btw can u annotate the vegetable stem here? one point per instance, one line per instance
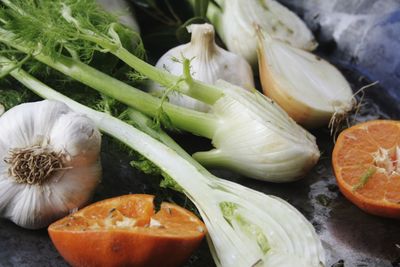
(196, 89)
(143, 123)
(244, 240)
(199, 123)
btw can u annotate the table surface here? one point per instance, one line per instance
(346, 232)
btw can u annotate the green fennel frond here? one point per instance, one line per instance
(66, 27)
(10, 98)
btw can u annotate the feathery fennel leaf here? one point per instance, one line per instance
(65, 27)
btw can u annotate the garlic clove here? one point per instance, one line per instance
(235, 22)
(308, 88)
(24, 128)
(64, 147)
(209, 63)
(87, 141)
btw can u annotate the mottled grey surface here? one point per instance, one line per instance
(365, 33)
(347, 233)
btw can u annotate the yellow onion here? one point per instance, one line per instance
(307, 87)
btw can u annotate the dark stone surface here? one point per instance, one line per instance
(349, 236)
(347, 233)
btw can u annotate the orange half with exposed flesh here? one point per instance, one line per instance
(366, 162)
(126, 231)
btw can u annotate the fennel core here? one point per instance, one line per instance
(33, 165)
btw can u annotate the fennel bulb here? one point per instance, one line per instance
(49, 162)
(242, 138)
(208, 63)
(255, 137)
(234, 21)
(245, 227)
(307, 87)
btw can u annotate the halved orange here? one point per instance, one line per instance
(366, 163)
(126, 231)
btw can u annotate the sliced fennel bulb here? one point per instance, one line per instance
(246, 227)
(275, 149)
(309, 88)
(235, 20)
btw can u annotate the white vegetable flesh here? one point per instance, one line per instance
(235, 23)
(51, 127)
(246, 227)
(208, 64)
(210, 125)
(275, 149)
(310, 89)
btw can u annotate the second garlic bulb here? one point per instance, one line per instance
(209, 63)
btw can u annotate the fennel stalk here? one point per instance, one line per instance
(251, 134)
(245, 227)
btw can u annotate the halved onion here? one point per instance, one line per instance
(307, 87)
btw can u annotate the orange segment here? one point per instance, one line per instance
(365, 164)
(375, 188)
(125, 231)
(359, 139)
(351, 175)
(393, 189)
(354, 157)
(385, 133)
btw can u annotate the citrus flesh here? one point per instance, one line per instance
(126, 231)
(366, 163)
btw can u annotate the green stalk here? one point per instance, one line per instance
(193, 88)
(213, 11)
(194, 181)
(143, 123)
(199, 123)
(201, 91)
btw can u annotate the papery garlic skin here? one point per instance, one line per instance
(308, 88)
(52, 126)
(236, 20)
(209, 63)
(2, 109)
(276, 149)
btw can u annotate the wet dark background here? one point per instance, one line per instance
(361, 37)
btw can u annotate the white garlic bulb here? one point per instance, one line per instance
(49, 162)
(209, 63)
